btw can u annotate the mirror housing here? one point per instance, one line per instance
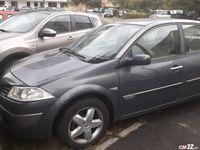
(141, 59)
(47, 32)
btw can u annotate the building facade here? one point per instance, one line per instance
(35, 3)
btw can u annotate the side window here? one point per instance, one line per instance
(1, 18)
(61, 24)
(159, 42)
(81, 22)
(94, 21)
(10, 16)
(192, 37)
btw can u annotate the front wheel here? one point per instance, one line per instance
(84, 123)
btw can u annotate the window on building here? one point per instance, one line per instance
(52, 4)
(35, 4)
(28, 4)
(63, 5)
(14, 3)
(2, 3)
(42, 4)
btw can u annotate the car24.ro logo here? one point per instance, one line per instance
(188, 146)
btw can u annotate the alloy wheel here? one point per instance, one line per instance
(85, 125)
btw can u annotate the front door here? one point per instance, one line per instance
(144, 87)
(62, 25)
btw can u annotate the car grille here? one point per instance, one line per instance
(4, 89)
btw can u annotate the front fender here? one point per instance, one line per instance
(83, 90)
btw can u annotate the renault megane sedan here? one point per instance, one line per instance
(114, 72)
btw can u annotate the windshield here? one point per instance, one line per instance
(108, 11)
(22, 23)
(104, 42)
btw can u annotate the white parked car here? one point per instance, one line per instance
(160, 14)
(3, 7)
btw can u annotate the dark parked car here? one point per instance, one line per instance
(114, 72)
(107, 13)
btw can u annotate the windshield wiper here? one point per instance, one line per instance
(3, 30)
(69, 51)
(98, 59)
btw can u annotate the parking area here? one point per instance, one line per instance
(169, 129)
(166, 129)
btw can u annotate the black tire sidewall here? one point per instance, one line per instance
(69, 112)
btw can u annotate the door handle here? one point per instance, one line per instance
(70, 38)
(176, 67)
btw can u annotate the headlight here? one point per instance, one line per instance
(28, 94)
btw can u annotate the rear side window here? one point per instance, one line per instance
(94, 21)
(61, 24)
(192, 37)
(81, 22)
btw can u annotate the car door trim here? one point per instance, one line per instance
(194, 79)
(132, 96)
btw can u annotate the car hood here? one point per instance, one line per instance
(46, 67)
(7, 35)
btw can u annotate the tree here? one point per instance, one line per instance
(89, 3)
(93, 3)
(186, 5)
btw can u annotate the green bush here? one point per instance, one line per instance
(135, 15)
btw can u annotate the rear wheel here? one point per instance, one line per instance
(84, 123)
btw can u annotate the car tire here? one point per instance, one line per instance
(83, 123)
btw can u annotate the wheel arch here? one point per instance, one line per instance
(16, 54)
(10, 58)
(75, 94)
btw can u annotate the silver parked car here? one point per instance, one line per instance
(36, 31)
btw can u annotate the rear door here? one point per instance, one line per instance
(144, 87)
(191, 33)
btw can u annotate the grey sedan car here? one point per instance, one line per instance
(116, 71)
(28, 33)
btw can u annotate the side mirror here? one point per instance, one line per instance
(46, 32)
(141, 59)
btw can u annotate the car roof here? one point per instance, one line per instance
(148, 21)
(54, 12)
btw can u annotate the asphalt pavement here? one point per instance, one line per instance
(169, 129)
(173, 128)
